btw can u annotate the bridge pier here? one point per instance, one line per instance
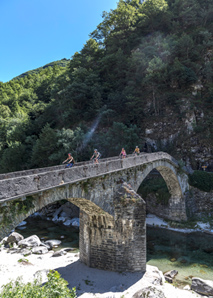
(115, 243)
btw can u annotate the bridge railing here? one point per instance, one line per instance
(55, 168)
(29, 183)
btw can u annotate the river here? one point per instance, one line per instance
(189, 254)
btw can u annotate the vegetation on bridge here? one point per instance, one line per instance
(14, 208)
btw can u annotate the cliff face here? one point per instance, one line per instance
(177, 132)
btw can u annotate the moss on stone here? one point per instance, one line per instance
(15, 207)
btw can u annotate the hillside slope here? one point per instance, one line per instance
(143, 78)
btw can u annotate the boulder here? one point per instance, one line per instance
(74, 222)
(4, 241)
(48, 246)
(62, 218)
(41, 275)
(52, 243)
(39, 250)
(169, 276)
(36, 214)
(31, 241)
(59, 253)
(154, 276)
(56, 214)
(68, 222)
(25, 252)
(149, 292)
(14, 237)
(201, 286)
(64, 214)
(13, 250)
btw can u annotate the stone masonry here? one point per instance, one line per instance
(115, 243)
(34, 189)
(112, 219)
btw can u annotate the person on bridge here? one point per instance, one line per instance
(96, 156)
(70, 161)
(136, 151)
(123, 153)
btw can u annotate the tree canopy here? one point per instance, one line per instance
(142, 60)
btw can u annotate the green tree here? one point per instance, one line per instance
(44, 147)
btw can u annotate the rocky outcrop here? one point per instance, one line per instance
(199, 203)
(204, 287)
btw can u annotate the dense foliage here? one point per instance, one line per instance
(139, 64)
(56, 287)
(201, 180)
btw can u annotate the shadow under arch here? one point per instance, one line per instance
(17, 211)
(176, 209)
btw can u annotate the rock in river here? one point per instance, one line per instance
(201, 286)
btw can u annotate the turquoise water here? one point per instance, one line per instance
(190, 254)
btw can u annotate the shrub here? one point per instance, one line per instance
(201, 180)
(56, 287)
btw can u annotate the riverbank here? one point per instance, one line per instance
(89, 282)
(155, 221)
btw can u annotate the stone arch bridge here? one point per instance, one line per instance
(112, 215)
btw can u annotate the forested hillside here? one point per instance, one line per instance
(144, 77)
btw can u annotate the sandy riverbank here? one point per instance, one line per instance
(89, 282)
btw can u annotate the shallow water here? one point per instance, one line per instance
(47, 230)
(189, 254)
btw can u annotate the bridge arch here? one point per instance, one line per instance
(106, 241)
(97, 186)
(177, 186)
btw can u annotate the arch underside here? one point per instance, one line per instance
(176, 209)
(171, 181)
(85, 205)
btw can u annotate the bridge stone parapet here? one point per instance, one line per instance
(17, 186)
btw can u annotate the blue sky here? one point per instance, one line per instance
(36, 32)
